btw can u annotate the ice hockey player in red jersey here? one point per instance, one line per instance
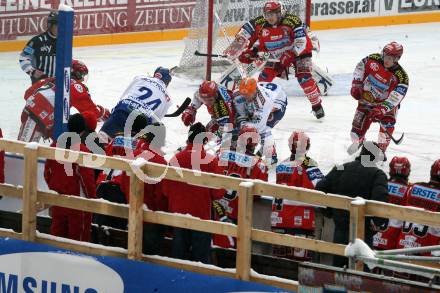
(424, 195)
(37, 117)
(239, 163)
(219, 105)
(285, 37)
(386, 237)
(290, 217)
(379, 85)
(190, 199)
(71, 179)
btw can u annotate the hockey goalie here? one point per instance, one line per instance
(37, 118)
(289, 44)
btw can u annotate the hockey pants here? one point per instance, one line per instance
(362, 122)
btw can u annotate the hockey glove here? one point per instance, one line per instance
(189, 116)
(357, 89)
(247, 56)
(212, 126)
(220, 211)
(377, 113)
(103, 113)
(287, 58)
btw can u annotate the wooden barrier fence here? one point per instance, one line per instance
(136, 215)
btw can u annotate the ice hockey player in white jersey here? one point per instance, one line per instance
(146, 96)
(261, 105)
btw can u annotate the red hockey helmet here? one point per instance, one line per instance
(299, 143)
(208, 89)
(78, 70)
(400, 166)
(393, 49)
(273, 6)
(271, 9)
(435, 170)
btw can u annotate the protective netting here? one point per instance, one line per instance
(233, 14)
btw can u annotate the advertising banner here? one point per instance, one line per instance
(346, 9)
(20, 18)
(30, 267)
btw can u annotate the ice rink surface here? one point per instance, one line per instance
(111, 69)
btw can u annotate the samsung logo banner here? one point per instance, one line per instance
(38, 268)
(49, 272)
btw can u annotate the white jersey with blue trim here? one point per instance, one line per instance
(269, 96)
(147, 95)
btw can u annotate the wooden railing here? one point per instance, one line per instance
(136, 215)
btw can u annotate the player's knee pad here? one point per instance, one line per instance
(303, 66)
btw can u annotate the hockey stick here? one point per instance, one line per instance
(396, 141)
(180, 109)
(197, 53)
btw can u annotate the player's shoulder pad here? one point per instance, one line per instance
(309, 162)
(376, 57)
(291, 20)
(78, 86)
(259, 20)
(401, 74)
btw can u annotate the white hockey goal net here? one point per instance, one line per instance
(233, 14)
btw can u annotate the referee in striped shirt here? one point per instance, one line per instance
(38, 56)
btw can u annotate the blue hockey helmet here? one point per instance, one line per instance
(163, 74)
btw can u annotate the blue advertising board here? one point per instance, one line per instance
(29, 267)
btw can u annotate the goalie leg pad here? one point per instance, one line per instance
(42, 109)
(322, 79)
(29, 131)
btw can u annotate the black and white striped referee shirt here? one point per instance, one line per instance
(39, 53)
